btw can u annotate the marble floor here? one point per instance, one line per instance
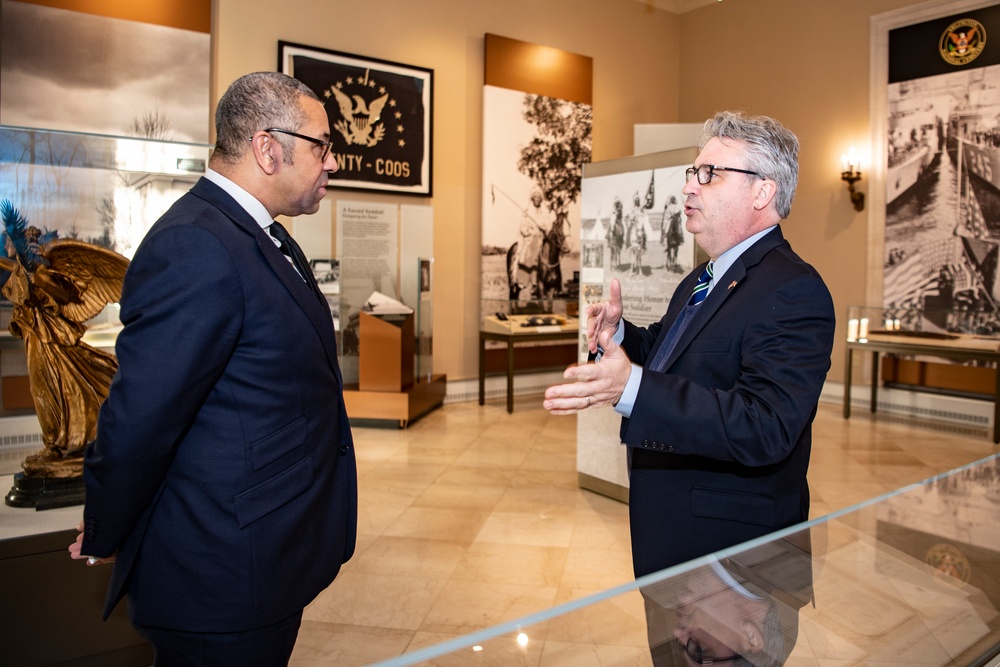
(472, 517)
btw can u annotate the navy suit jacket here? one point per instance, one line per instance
(720, 440)
(223, 472)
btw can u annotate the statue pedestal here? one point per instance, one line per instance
(44, 493)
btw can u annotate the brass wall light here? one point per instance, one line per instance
(851, 172)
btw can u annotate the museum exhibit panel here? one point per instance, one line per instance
(631, 230)
(911, 577)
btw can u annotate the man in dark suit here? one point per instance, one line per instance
(718, 397)
(223, 480)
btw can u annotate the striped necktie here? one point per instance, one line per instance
(701, 289)
(683, 318)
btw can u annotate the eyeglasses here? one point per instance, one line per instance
(693, 650)
(706, 171)
(327, 145)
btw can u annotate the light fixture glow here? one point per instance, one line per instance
(851, 173)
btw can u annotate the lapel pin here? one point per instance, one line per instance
(731, 285)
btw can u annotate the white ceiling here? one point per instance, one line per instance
(678, 6)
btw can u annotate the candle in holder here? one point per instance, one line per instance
(852, 330)
(863, 329)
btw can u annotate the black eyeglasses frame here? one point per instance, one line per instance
(692, 171)
(327, 145)
(694, 652)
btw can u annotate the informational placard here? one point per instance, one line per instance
(368, 248)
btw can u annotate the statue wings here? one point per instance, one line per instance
(81, 277)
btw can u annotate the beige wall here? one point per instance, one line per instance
(635, 81)
(803, 61)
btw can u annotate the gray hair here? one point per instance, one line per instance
(772, 150)
(257, 102)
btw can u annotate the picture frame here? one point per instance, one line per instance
(381, 117)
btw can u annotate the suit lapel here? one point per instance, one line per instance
(726, 287)
(317, 312)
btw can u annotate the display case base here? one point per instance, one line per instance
(44, 493)
(402, 407)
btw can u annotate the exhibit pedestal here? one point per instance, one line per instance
(53, 604)
(44, 493)
(386, 351)
(403, 407)
(386, 389)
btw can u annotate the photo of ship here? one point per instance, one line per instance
(916, 137)
(942, 231)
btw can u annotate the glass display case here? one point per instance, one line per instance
(501, 316)
(953, 352)
(545, 331)
(425, 319)
(104, 190)
(968, 327)
(908, 578)
(101, 189)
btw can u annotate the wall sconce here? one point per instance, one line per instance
(851, 173)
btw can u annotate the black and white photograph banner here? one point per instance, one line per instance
(942, 221)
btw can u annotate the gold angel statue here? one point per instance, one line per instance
(55, 286)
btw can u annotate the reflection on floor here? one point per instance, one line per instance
(472, 517)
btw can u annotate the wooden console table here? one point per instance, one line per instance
(920, 347)
(512, 340)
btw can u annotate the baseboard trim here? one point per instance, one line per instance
(496, 386)
(602, 487)
(956, 413)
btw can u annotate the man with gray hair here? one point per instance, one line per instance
(222, 482)
(718, 397)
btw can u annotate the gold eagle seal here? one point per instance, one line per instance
(962, 41)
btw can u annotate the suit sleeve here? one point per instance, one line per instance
(182, 307)
(744, 391)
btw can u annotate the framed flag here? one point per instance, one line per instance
(380, 117)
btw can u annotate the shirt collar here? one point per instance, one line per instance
(729, 257)
(246, 200)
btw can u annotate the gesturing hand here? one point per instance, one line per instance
(592, 385)
(604, 315)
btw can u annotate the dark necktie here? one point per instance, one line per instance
(291, 249)
(698, 294)
(701, 289)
